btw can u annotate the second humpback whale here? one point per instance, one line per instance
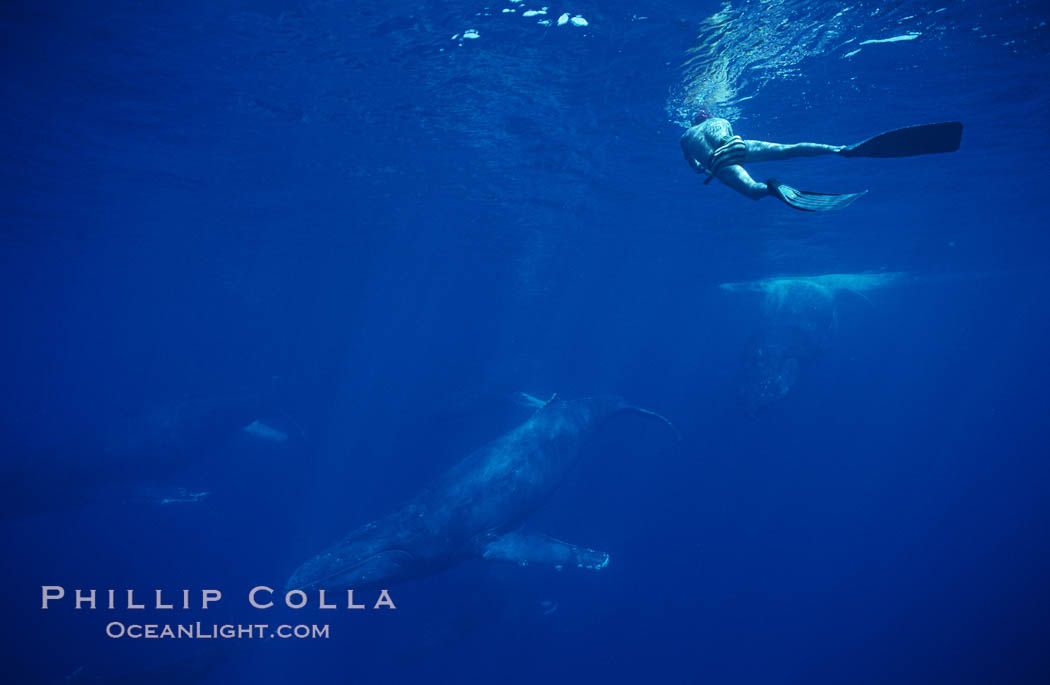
(475, 510)
(799, 319)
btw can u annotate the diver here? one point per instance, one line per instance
(711, 147)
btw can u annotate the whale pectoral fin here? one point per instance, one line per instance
(524, 549)
(264, 431)
(526, 400)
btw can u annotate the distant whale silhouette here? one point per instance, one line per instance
(475, 509)
(131, 460)
(778, 286)
(800, 315)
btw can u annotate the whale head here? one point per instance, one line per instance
(377, 554)
(350, 570)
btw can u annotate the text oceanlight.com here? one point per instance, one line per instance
(228, 631)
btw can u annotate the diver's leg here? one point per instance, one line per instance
(761, 151)
(737, 178)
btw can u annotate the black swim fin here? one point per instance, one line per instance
(809, 201)
(906, 142)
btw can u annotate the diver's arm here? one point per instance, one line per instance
(690, 160)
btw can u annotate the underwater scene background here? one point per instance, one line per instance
(270, 267)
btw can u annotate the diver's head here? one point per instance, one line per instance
(702, 115)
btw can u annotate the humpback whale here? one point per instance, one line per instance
(475, 510)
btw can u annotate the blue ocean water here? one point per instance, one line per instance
(369, 225)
